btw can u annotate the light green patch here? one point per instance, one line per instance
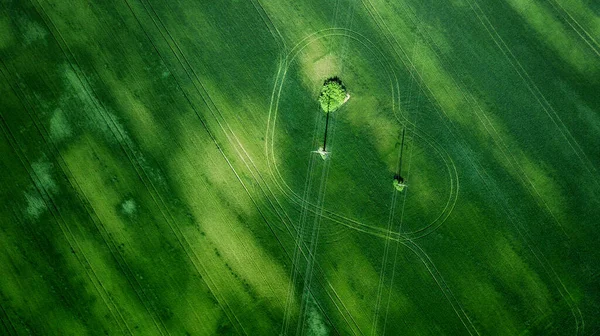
(33, 31)
(129, 207)
(316, 325)
(59, 126)
(97, 116)
(35, 205)
(43, 176)
(460, 4)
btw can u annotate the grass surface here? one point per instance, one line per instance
(158, 176)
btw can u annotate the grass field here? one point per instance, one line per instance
(158, 174)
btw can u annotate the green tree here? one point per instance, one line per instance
(333, 95)
(399, 183)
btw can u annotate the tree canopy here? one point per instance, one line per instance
(399, 183)
(333, 94)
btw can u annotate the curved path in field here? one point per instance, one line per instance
(402, 119)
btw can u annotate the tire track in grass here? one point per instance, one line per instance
(193, 76)
(414, 126)
(347, 220)
(122, 140)
(577, 322)
(311, 262)
(193, 107)
(201, 90)
(57, 216)
(297, 246)
(213, 107)
(397, 244)
(277, 36)
(576, 26)
(84, 201)
(239, 179)
(391, 216)
(437, 276)
(389, 229)
(514, 162)
(539, 256)
(534, 89)
(271, 155)
(100, 226)
(526, 181)
(307, 293)
(343, 220)
(298, 242)
(289, 220)
(412, 69)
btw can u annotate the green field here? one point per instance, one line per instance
(159, 174)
